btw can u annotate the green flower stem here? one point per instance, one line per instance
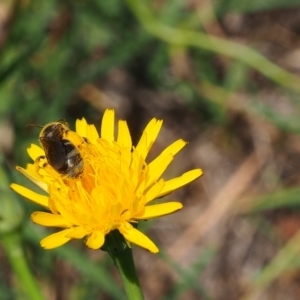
(121, 254)
(13, 247)
(125, 264)
(191, 38)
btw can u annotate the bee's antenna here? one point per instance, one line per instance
(33, 125)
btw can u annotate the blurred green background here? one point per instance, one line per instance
(223, 75)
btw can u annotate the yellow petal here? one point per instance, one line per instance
(56, 239)
(32, 176)
(173, 149)
(148, 137)
(159, 169)
(81, 126)
(180, 181)
(135, 168)
(158, 166)
(29, 194)
(124, 138)
(77, 233)
(136, 237)
(95, 240)
(34, 151)
(141, 147)
(153, 133)
(92, 134)
(49, 220)
(154, 191)
(158, 210)
(108, 125)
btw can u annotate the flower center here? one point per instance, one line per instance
(106, 193)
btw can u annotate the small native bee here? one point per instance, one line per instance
(60, 153)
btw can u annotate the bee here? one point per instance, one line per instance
(60, 153)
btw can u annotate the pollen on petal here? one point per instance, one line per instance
(158, 210)
(56, 239)
(136, 237)
(29, 194)
(49, 220)
(95, 240)
(178, 182)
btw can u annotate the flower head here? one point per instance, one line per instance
(113, 191)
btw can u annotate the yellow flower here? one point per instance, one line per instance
(114, 190)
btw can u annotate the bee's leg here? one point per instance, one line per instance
(40, 162)
(74, 138)
(42, 167)
(86, 140)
